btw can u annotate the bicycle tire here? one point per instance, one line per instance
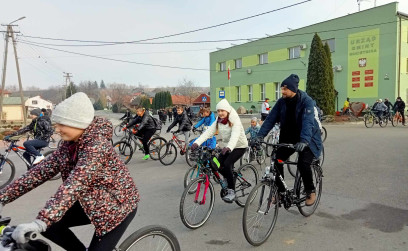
(317, 179)
(210, 195)
(124, 150)
(260, 158)
(323, 133)
(154, 146)
(383, 122)
(246, 157)
(8, 176)
(369, 120)
(191, 174)
(136, 240)
(255, 213)
(395, 120)
(247, 178)
(118, 130)
(168, 150)
(293, 167)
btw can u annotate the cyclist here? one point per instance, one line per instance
(170, 112)
(388, 104)
(296, 114)
(127, 116)
(97, 187)
(41, 127)
(230, 128)
(253, 129)
(146, 129)
(184, 123)
(399, 106)
(207, 120)
(346, 106)
(379, 108)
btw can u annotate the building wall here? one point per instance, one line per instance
(41, 103)
(13, 112)
(404, 58)
(370, 35)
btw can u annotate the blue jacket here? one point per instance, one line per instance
(305, 120)
(207, 121)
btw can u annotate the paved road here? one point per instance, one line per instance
(364, 205)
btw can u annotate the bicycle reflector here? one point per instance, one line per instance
(215, 164)
(280, 161)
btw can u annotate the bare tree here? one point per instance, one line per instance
(119, 94)
(187, 88)
(11, 88)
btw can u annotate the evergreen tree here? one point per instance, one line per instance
(318, 77)
(98, 105)
(330, 84)
(145, 103)
(169, 100)
(102, 85)
(71, 89)
(115, 108)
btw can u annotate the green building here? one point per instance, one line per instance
(369, 55)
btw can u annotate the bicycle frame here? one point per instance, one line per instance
(17, 149)
(180, 143)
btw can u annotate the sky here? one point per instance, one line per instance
(127, 20)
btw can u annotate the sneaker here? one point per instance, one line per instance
(38, 159)
(310, 199)
(147, 156)
(230, 197)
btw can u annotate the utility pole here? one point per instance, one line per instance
(10, 33)
(67, 77)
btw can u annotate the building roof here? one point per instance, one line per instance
(5, 92)
(13, 100)
(199, 99)
(180, 100)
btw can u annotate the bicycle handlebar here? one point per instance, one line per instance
(278, 145)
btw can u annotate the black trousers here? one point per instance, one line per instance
(227, 165)
(304, 162)
(402, 114)
(263, 116)
(146, 136)
(60, 234)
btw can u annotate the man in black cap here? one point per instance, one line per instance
(41, 127)
(399, 106)
(298, 126)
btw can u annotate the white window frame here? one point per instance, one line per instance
(263, 58)
(277, 90)
(238, 93)
(332, 44)
(223, 66)
(292, 52)
(262, 92)
(238, 65)
(34, 102)
(250, 96)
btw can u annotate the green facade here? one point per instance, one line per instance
(370, 59)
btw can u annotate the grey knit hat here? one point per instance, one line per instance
(76, 111)
(36, 112)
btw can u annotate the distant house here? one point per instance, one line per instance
(202, 100)
(12, 110)
(180, 100)
(38, 102)
(6, 93)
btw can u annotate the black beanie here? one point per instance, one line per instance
(36, 112)
(291, 82)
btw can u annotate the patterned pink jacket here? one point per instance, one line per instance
(99, 181)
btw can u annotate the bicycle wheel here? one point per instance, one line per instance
(324, 133)
(54, 142)
(154, 147)
(260, 155)
(124, 150)
(260, 213)
(167, 154)
(118, 130)
(191, 157)
(246, 179)
(246, 158)
(196, 207)
(301, 195)
(153, 237)
(293, 167)
(383, 122)
(8, 171)
(191, 174)
(395, 120)
(369, 120)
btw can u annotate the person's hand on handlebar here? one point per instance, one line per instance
(194, 147)
(20, 231)
(300, 146)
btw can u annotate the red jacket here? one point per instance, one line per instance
(99, 181)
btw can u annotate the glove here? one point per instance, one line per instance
(35, 226)
(124, 128)
(194, 147)
(134, 131)
(178, 131)
(300, 146)
(225, 150)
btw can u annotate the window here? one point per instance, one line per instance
(238, 93)
(238, 63)
(263, 58)
(294, 52)
(277, 91)
(249, 92)
(34, 102)
(331, 43)
(262, 91)
(223, 66)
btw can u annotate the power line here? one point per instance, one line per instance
(176, 34)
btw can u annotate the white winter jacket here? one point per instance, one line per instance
(234, 135)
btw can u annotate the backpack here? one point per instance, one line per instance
(157, 123)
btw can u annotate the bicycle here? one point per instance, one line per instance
(118, 130)
(7, 167)
(291, 163)
(197, 201)
(152, 237)
(370, 118)
(396, 119)
(253, 153)
(350, 114)
(262, 205)
(168, 151)
(128, 145)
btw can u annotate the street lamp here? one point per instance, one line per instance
(21, 18)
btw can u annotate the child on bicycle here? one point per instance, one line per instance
(41, 127)
(253, 129)
(184, 123)
(230, 128)
(207, 120)
(97, 187)
(145, 129)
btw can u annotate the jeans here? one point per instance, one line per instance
(60, 234)
(304, 162)
(227, 164)
(32, 146)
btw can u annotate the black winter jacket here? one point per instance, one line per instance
(182, 120)
(41, 128)
(146, 122)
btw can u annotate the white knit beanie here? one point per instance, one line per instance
(76, 111)
(224, 105)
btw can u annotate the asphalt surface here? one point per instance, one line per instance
(364, 204)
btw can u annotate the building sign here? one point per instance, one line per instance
(204, 99)
(221, 94)
(363, 61)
